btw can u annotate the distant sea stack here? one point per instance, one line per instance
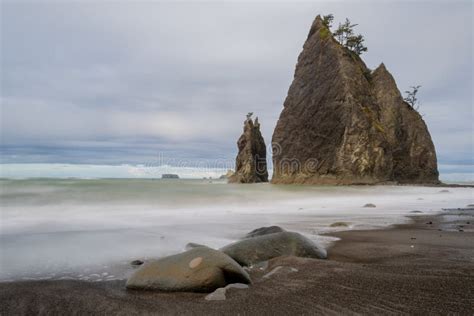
(251, 161)
(345, 124)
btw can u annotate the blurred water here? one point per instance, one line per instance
(92, 229)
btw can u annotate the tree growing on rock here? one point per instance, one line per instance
(327, 20)
(344, 34)
(411, 98)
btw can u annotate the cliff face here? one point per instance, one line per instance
(343, 124)
(251, 161)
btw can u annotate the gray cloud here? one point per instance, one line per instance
(114, 82)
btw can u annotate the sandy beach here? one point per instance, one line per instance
(426, 266)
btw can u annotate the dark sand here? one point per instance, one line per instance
(413, 268)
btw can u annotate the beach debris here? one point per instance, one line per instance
(416, 212)
(429, 223)
(220, 293)
(279, 269)
(136, 262)
(369, 205)
(261, 248)
(264, 231)
(200, 269)
(420, 199)
(413, 238)
(461, 230)
(275, 270)
(412, 246)
(444, 191)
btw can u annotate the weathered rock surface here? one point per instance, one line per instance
(251, 161)
(200, 269)
(343, 124)
(264, 231)
(260, 248)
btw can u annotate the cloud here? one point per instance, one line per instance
(107, 82)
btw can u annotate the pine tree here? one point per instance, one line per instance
(327, 20)
(411, 98)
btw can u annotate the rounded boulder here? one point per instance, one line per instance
(200, 269)
(261, 248)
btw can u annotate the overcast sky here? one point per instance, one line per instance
(108, 82)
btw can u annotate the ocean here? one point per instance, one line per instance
(90, 229)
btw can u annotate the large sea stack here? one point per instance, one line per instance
(345, 124)
(251, 161)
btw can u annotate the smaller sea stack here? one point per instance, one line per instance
(251, 161)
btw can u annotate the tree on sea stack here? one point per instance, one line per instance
(251, 161)
(344, 34)
(411, 97)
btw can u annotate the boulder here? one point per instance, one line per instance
(200, 269)
(260, 248)
(251, 161)
(342, 123)
(264, 231)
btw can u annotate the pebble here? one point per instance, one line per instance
(217, 295)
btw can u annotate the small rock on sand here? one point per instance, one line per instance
(369, 205)
(339, 224)
(220, 293)
(217, 295)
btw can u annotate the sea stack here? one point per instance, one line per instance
(345, 124)
(251, 161)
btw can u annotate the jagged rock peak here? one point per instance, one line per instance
(251, 161)
(343, 124)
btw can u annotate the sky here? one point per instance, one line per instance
(135, 82)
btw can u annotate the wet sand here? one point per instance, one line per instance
(416, 268)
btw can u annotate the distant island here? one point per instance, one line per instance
(169, 176)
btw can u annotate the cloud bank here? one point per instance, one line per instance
(122, 82)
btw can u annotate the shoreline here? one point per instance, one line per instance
(406, 268)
